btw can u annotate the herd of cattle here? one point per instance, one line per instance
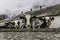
(32, 22)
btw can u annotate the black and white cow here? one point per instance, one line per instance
(46, 21)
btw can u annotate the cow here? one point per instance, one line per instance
(46, 21)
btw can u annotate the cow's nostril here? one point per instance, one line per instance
(28, 25)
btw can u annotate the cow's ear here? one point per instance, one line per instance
(40, 18)
(52, 18)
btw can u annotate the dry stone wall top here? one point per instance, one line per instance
(29, 36)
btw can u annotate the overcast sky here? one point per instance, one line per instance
(23, 5)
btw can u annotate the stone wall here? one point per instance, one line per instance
(29, 35)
